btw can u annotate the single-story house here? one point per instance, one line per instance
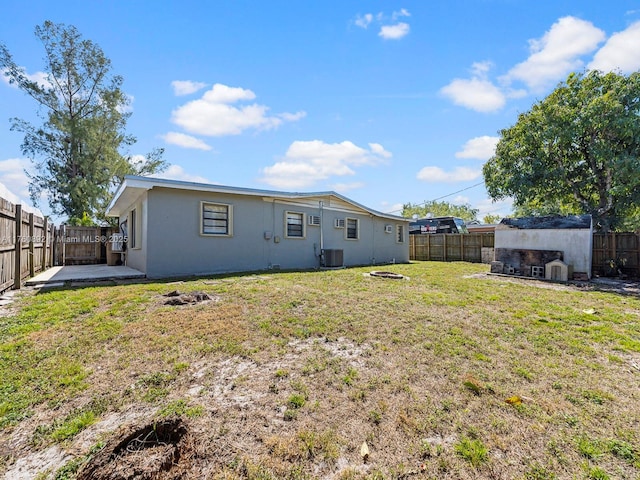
(177, 228)
(527, 245)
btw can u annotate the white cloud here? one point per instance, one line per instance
(186, 87)
(437, 174)
(487, 206)
(14, 183)
(214, 115)
(220, 93)
(476, 93)
(41, 78)
(307, 162)
(176, 172)
(621, 52)
(480, 148)
(137, 160)
(394, 32)
(292, 117)
(379, 150)
(363, 21)
(557, 53)
(390, 27)
(13, 176)
(460, 200)
(481, 69)
(403, 12)
(184, 140)
(346, 187)
(393, 208)
(128, 106)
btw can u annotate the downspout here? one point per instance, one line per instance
(321, 258)
(373, 239)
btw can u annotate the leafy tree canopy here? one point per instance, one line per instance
(77, 149)
(575, 152)
(490, 218)
(439, 209)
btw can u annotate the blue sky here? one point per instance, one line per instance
(386, 102)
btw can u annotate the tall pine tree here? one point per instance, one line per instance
(77, 151)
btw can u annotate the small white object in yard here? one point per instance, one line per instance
(364, 452)
(589, 311)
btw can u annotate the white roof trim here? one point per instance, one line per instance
(141, 184)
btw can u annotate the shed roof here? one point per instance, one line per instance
(547, 222)
(133, 186)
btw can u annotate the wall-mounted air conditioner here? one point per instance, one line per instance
(314, 220)
(339, 223)
(388, 229)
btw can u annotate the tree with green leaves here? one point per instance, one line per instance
(77, 149)
(490, 218)
(575, 152)
(439, 209)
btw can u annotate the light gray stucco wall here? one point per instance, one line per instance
(173, 245)
(576, 244)
(137, 257)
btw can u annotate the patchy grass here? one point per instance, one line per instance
(451, 374)
(472, 450)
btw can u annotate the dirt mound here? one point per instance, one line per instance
(177, 298)
(160, 451)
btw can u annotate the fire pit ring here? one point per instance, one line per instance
(392, 275)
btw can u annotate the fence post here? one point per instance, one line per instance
(462, 248)
(444, 247)
(64, 253)
(45, 232)
(613, 246)
(18, 248)
(32, 263)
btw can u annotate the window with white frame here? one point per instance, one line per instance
(400, 233)
(295, 224)
(216, 219)
(352, 228)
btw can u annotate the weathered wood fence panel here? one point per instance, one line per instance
(26, 244)
(613, 251)
(450, 247)
(7, 243)
(82, 245)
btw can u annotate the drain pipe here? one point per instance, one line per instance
(321, 233)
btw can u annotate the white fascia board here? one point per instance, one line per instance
(128, 192)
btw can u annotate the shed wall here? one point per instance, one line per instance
(575, 243)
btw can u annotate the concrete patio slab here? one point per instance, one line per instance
(84, 273)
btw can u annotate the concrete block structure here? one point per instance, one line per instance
(176, 228)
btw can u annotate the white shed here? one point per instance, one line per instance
(523, 243)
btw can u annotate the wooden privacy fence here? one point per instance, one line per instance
(82, 245)
(452, 247)
(613, 251)
(26, 244)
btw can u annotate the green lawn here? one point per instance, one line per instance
(451, 374)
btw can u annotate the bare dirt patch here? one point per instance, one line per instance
(604, 284)
(159, 451)
(176, 298)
